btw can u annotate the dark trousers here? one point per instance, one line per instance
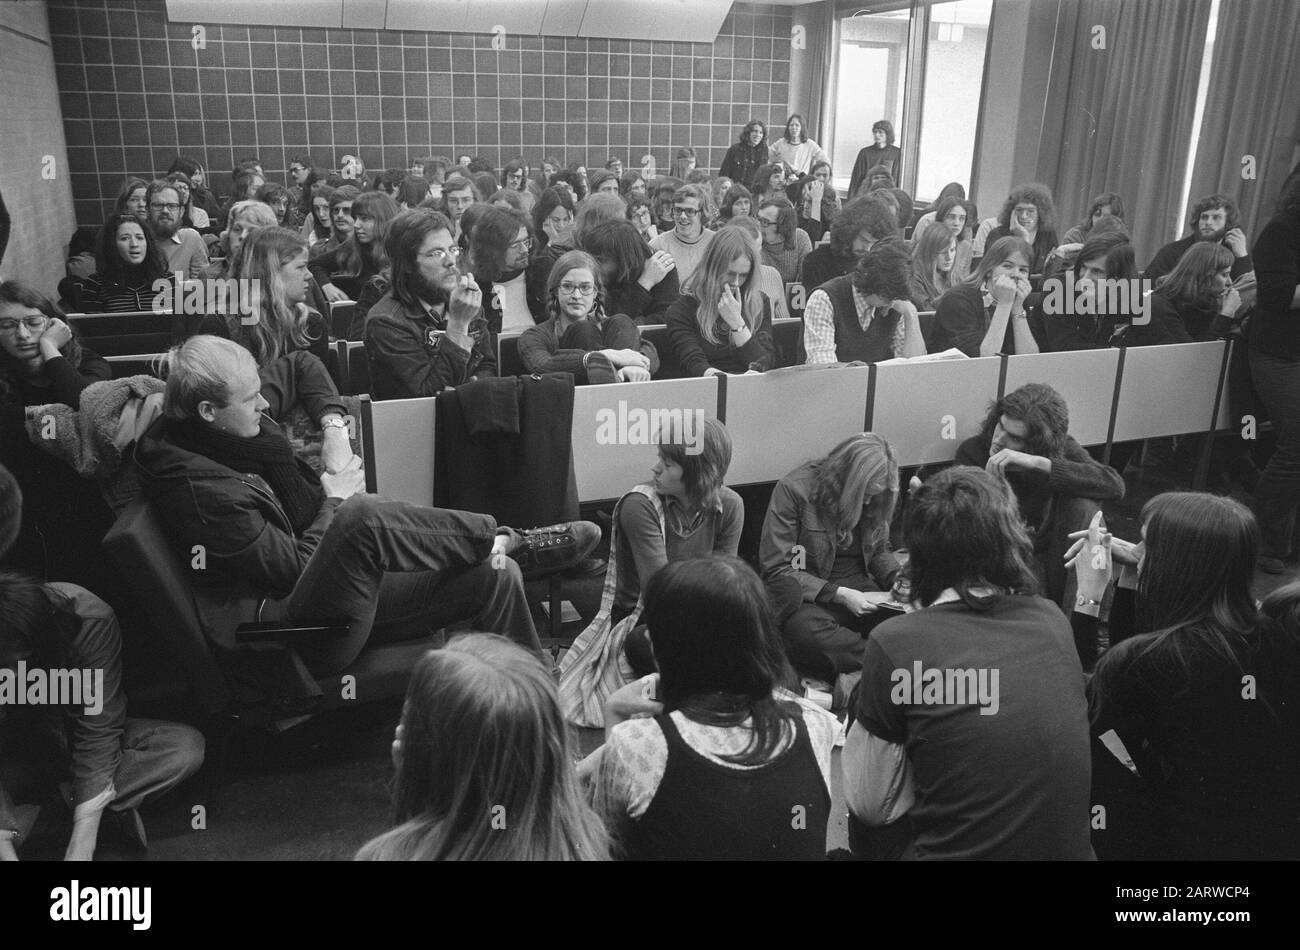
(824, 640)
(1277, 382)
(616, 333)
(387, 562)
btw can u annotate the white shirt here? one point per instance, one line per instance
(800, 157)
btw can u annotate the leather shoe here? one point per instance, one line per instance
(540, 551)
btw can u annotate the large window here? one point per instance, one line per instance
(921, 67)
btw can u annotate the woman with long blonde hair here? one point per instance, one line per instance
(483, 764)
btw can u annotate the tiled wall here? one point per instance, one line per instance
(134, 92)
(33, 161)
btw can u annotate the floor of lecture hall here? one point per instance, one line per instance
(319, 791)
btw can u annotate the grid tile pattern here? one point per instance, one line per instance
(134, 93)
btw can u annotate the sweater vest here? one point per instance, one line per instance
(852, 342)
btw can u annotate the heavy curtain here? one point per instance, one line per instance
(1119, 118)
(1253, 106)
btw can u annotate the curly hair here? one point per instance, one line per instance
(1040, 195)
(867, 213)
(108, 260)
(1231, 213)
(1042, 409)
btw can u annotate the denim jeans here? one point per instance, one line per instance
(1277, 382)
(389, 562)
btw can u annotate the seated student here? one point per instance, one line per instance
(981, 768)
(768, 180)
(500, 249)
(201, 195)
(953, 189)
(245, 218)
(862, 223)
(639, 283)
(244, 183)
(340, 212)
(769, 278)
(412, 191)
(288, 339)
(1029, 214)
(182, 248)
(580, 336)
(865, 316)
(878, 179)
(688, 239)
(458, 193)
(569, 180)
(718, 188)
(825, 554)
(662, 203)
(737, 202)
(305, 541)
(1107, 257)
(641, 216)
(129, 263)
(882, 151)
(722, 323)
(784, 244)
(280, 201)
(1214, 219)
(316, 224)
(428, 332)
(934, 258)
(615, 164)
(985, 314)
(715, 774)
(631, 184)
(514, 178)
(41, 362)
(958, 215)
(685, 511)
(1066, 255)
(504, 198)
(1200, 704)
(109, 763)
(1189, 300)
(579, 171)
(1058, 486)
(604, 182)
(553, 222)
(1106, 203)
(816, 200)
(191, 216)
(481, 736)
(342, 273)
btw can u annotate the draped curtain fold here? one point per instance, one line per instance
(1253, 106)
(1120, 118)
(819, 23)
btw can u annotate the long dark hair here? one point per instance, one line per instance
(1191, 282)
(406, 235)
(1194, 587)
(718, 651)
(353, 255)
(1044, 413)
(859, 473)
(963, 530)
(15, 292)
(618, 245)
(490, 239)
(108, 260)
(1288, 200)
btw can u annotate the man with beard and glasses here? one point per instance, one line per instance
(428, 333)
(1214, 218)
(183, 248)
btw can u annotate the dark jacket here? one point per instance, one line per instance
(792, 520)
(1168, 256)
(696, 355)
(1275, 329)
(743, 160)
(325, 270)
(891, 156)
(98, 294)
(410, 355)
(1163, 323)
(644, 306)
(249, 546)
(539, 350)
(822, 264)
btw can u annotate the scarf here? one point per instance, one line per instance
(268, 455)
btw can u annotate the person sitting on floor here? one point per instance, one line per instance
(579, 336)
(1026, 440)
(484, 766)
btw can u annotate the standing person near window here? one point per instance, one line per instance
(745, 157)
(722, 323)
(579, 335)
(795, 149)
(882, 151)
(1275, 369)
(784, 244)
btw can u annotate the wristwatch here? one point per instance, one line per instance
(1081, 601)
(334, 422)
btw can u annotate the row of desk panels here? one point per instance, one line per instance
(780, 419)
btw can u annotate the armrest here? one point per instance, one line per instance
(283, 631)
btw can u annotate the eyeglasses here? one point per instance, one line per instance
(156, 206)
(569, 288)
(447, 255)
(1030, 210)
(35, 324)
(769, 222)
(341, 212)
(523, 245)
(688, 212)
